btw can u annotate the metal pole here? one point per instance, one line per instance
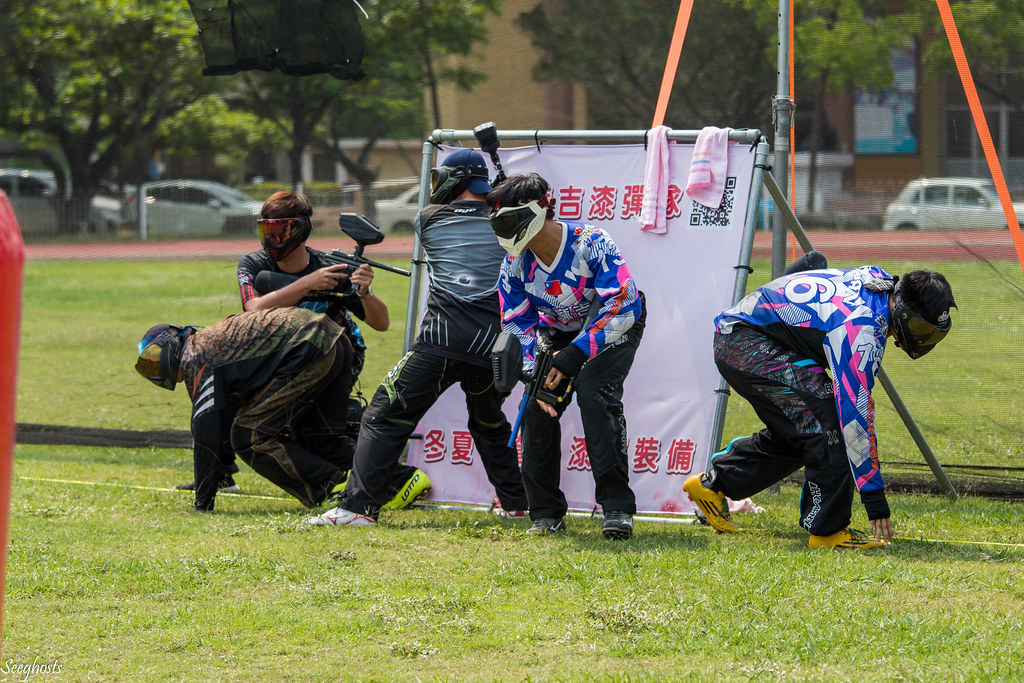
(782, 117)
(915, 432)
(743, 271)
(883, 378)
(140, 203)
(412, 310)
(448, 136)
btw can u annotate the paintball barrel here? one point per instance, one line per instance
(361, 229)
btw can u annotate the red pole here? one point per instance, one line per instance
(12, 267)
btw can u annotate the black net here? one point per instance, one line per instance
(296, 37)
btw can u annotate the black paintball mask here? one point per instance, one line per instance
(449, 182)
(915, 334)
(160, 354)
(282, 236)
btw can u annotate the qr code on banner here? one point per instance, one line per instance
(703, 217)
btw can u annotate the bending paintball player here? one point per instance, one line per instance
(804, 350)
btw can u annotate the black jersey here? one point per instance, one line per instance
(463, 316)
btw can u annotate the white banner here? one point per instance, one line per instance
(687, 275)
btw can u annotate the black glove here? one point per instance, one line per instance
(875, 504)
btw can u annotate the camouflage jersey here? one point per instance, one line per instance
(225, 365)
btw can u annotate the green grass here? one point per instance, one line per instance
(122, 583)
(110, 575)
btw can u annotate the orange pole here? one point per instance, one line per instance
(12, 265)
(674, 50)
(953, 35)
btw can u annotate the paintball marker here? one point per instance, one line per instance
(487, 135)
(507, 367)
(359, 228)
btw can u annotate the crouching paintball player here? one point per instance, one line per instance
(804, 350)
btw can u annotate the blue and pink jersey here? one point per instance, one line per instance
(830, 316)
(559, 295)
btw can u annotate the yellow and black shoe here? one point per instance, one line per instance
(847, 538)
(416, 487)
(713, 504)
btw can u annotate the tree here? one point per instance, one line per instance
(617, 49)
(726, 74)
(990, 31)
(209, 123)
(87, 84)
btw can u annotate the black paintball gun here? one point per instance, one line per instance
(365, 233)
(507, 367)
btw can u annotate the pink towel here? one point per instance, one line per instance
(706, 183)
(654, 209)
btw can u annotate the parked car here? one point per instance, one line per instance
(33, 196)
(396, 215)
(198, 208)
(948, 204)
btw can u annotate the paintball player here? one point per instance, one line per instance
(270, 385)
(804, 350)
(552, 276)
(284, 227)
(460, 325)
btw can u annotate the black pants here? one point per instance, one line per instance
(409, 390)
(598, 392)
(794, 398)
(293, 431)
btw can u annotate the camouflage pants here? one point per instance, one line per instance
(793, 396)
(293, 431)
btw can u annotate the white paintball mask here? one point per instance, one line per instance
(515, 226)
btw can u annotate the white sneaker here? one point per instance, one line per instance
(342, 517)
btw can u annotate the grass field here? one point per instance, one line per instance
(111, 577)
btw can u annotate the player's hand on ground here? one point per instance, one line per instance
(881, 529)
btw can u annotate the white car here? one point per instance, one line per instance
(33, 197)
(948, 204)
(198, 208)
(396, 215)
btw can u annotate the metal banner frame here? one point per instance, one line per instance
(761, 176)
